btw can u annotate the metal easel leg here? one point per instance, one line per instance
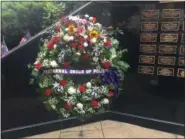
(60, 134)
(81, 133)
(102, 129)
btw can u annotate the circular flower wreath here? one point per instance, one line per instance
(76, 39)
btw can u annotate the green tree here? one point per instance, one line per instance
(19, 16)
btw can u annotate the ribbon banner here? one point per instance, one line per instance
(74, 71)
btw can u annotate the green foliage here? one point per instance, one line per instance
(18, 16)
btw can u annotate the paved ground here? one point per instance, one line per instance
(108, 129)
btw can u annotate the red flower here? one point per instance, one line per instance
(51, 45)
(38, 66)
(110, 27)
(82, 88)
(56, 39)
(53, 41)
(76, 35)
(62, 19)
(66, 64)
(111, 94)
(108, 43)
(73, 45)
(107, 64)
(94, 19)
(80, 47)
(88, 39)
(94, 103)
(67, 106)
(47, 92)
(63, 82)
(86, 56)
(58, 27)
(80, 40)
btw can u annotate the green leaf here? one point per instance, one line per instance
(31, 81)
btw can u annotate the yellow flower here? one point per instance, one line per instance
(93, 34)
(71, 29)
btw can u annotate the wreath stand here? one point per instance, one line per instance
(81, 130)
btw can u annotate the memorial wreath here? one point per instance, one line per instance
(77, 42)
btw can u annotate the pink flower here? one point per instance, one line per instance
(84, 21)
(81, 30)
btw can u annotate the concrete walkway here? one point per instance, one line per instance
(108, 129)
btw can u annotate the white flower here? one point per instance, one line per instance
(85, 36)
(90, 28)
(88, 85)
(80, 105)
(55, 46)
(66, 38)
(85, 44)
(53, 63)
(104, 39)
(95, 59)
(56, 85)
(78, 53)
(105, 101)
(53, 106)
(93, 40)
(61, 33)
(90, 18)
(71, 38)
(99, 25)
(71, 90)
(66, 29)
(45, 63)
(36, 62)
(86, 15)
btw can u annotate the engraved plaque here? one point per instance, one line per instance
(150, 14)
(146, 59)
(167, 49)
(145, 69)
(182, 38)
(149, 26)
(170, 26)
(147, 48)
(171, 13)
(181, 61)
(181, 73)
(182, 50)
(166, 60)
(148, 37)
(168, 37)
(165, 71)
